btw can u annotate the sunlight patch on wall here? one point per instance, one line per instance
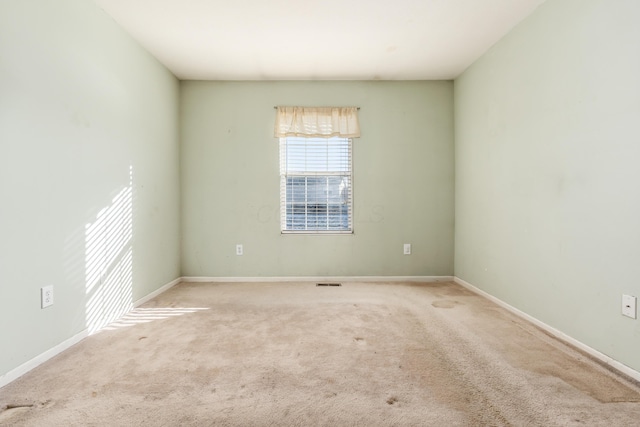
(109, 260)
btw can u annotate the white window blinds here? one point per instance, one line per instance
(315, 185)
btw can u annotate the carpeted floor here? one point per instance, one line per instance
(293, 354)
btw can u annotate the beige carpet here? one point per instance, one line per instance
(293, 354)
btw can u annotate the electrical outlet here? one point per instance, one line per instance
(46, 296)
(407, 248)
(239, 250)
(629, 306)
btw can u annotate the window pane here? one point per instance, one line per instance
(316, 173)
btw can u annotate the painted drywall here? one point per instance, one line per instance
(547, 149)
(89, 173)
(403, 181)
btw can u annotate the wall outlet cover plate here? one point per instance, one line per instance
(46, 296)
(629, 306)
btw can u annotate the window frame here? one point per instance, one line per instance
(284, 201)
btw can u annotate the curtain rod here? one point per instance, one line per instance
(321, 107)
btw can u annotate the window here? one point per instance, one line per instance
(315, 185)
(316, 177)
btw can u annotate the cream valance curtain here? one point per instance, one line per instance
(322, 122)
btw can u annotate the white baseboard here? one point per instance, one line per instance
(41, 358)
(195, 279)
(157, 292)
(626, 370)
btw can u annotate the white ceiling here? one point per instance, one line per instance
(317, 39)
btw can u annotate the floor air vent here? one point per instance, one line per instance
(328, 284)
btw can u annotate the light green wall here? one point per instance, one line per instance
(403, 180)
(547, 177)
(81, 105)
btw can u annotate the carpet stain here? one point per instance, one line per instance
(392, 400)
(445, 304)
(597, 385)
(443, 289)
(18, 405)
(47, 403)
(12, 411)
(524, 350)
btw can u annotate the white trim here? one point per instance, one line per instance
(41, 358)
(157, 292)
(196, 279)
(626, 370)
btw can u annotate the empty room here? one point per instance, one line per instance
(253, 213)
